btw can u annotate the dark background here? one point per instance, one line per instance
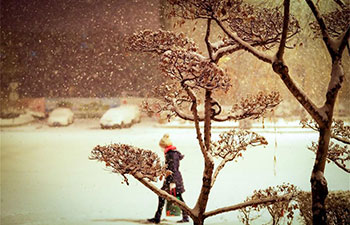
(74, 48)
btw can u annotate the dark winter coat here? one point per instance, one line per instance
(172, 160)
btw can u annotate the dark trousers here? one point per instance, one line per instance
(161, 203)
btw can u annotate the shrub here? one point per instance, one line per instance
(337, 205)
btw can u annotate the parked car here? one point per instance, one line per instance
(61, 117)
(120, 117)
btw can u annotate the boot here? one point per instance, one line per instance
(185, 218)
(156, 218)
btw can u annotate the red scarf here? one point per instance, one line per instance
(169, 148)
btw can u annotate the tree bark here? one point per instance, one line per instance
(319, 187)
(198, 222)
(208, 160)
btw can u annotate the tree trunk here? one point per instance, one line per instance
(208, 160)
(198, 222)
(319, 187)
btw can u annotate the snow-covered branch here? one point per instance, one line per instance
(252, 107)
(231, 145)
(340, 3)
(206, 39)
(173, 100)
(254, 203)
(248, 26)
(280, 52)
(164, 194)
(129, 160)
(278, 210)
(225, 50)
(344, 39)
(337, 26)
(319, 115)
(335, 83)
(337, 153)
(143, 165)
(208, 159)
(196, 70)
(245, 45)
(322, 25)
(340, 131)
(280, 68)
(193, 115)
(196, 117)
(335, 49)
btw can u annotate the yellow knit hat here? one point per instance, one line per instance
(165, 141)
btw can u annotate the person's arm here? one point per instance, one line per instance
(170, 165)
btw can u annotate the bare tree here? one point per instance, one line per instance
(191, 79)
(322, 115)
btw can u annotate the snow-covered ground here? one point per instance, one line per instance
(47, 178)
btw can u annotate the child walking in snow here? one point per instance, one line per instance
(173, 181)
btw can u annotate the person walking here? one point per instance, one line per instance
(174, 180)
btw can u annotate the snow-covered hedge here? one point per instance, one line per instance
(337, 205)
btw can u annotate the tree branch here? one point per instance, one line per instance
(344, 140)
(164, 194)
(302, 98)
(208, 114)
(340, 165)
(231, 144)
(339, 131)
(246, 46)
(208, 159)
(251, 107)
(219, 168)
(280, 51)
(325, 35)
(207, 34)
(270, 200)
(184, 115)
(280, 68)
(196, 118)
(340, 3)
(344, 41)
(224, 51)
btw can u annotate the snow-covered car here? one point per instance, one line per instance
(61, 117)
(120, 117)
(17, 120)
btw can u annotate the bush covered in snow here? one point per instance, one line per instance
(337, 204)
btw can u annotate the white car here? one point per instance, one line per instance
(120, 117)
(61, 117)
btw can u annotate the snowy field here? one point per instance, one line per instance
(47, 179)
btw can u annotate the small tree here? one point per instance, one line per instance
(193, 78)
